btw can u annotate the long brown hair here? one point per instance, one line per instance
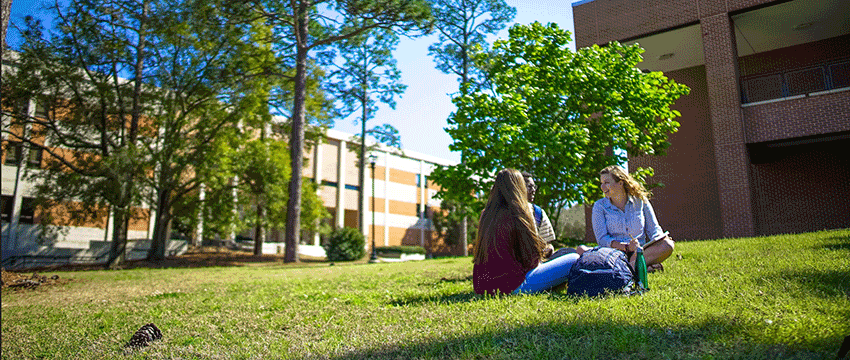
(508, 195)
(630, 185)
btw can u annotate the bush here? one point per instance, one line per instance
(345, 244)
(400, 249)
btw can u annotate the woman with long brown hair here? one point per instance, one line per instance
(508, 250)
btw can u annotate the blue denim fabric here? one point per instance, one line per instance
(613, 224)
(547, 275)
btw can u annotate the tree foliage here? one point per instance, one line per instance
(449, 222)
(191, 75)
(554, 112)
(367, 75)
(207, 72)
(302, 31)
(463, 27)
(94, 122)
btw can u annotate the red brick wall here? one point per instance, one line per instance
(798, 188)
(814, 115)
(733, 175)
(687, 205)
(795, 57)
(601, 21)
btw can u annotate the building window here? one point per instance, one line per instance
(420, 214)
(14, 152)
(420, 178)
(328, 183)
(27, 211)
(34, 156)
(40, 110)
(7, 204)
(352, 187)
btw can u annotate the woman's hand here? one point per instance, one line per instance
(548, 251)
(632, 245)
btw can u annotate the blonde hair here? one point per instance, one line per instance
(508, 195)
(630, 185)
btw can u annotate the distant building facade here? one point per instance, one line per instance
(21, 232)
(765, 131)
(404, 201)
(403, 205)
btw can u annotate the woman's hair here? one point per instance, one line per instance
(508, 195)
(630, 185)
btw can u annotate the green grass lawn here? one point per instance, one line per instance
(767, 297)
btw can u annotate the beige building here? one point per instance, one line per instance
(403, 196)
(400, 185)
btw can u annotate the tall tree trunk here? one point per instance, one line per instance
(296, 139)
(198, 236)
(259, 230)
(118, 250)
(162, 226)
(361, 170)
(463, 235)
(117, 253)
(5, 13)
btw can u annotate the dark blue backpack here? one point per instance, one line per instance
(599, 270)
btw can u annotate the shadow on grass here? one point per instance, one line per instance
(470, 297)
(722, 338)
(441, 299)
(201, 258)
(457, 279)
(827, 283)
(838, 242)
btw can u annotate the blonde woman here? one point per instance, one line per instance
(508, 250)
(624, 218)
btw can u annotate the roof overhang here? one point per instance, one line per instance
(756, 31)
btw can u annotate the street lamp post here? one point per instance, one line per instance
(372, 159)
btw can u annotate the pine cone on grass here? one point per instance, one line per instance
(144, 336)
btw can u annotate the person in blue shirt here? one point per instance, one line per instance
(624, 218)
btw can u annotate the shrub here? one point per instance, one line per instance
(400, 249)
(345, 244)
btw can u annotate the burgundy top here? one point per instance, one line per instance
(501, 270)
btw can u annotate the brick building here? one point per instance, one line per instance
(765, 132)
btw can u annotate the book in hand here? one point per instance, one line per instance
(653, 241)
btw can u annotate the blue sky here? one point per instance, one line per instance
(421, 112)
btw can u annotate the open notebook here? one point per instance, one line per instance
(664, 235)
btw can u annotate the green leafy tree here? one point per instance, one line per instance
(94, 121)
(257, 186)
(449, 224)
(302, 30)
(367, 75)
(190, 82)
(553, 113)
(262, 184)
(463, 27)
(208, 82)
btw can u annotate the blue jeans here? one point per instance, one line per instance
(547, 275)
